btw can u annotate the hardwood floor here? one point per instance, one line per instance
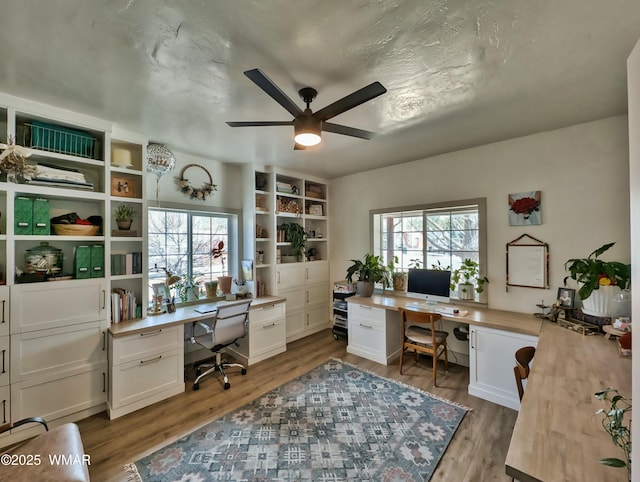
(476, 453)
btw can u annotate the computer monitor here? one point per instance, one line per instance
(431, 285)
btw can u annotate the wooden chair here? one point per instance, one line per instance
(523, 359)
(420, 335)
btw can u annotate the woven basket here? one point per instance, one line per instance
(75, 229)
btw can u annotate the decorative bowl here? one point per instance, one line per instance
(75, 229)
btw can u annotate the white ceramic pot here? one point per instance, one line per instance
(465, 291)
(600, 302)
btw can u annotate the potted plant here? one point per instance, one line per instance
(467, 278)
(124, 215)
(614, 424)
(599, 281)
(295, 234)
(370, 271)
(398, 278)
(224, 282)
(188, 288)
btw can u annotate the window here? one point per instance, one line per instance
(437, 236)
(180, 241)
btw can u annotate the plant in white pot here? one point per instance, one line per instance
(124, 215)
(467, 280)
(599, 281)
(370, 271)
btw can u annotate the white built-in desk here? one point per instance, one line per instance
(146, 356)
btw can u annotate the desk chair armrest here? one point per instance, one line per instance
(8, 426)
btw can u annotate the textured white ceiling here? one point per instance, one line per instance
(458, 73)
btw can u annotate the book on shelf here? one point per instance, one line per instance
(129, 233)
(123, 305)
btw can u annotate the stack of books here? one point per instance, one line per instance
(286, 188)
(123, 305)
(126, 263)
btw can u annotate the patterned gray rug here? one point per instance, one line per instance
(334, 423)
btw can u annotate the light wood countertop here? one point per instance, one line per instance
(524, 323)
(181, 316)
(557, 436)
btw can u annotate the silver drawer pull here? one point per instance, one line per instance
(158, 358)
(270, 307)
(269, 326)
(365, 307)
(365, 326)
(151, 333)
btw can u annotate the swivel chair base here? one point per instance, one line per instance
(219, 365)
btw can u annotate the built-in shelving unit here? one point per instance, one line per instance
(281, 197)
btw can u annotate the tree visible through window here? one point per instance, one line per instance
(180, 241)
(439, 237)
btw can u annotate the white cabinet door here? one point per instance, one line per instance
(57, 352)
(289, 275)
(317, 294)
(5, 406)
(55, 398)
(317, 318)
(316, 271)
(492, 358)
(4, 360)
(39, 306)
(4, 310)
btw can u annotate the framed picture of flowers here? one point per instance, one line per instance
(525, 209)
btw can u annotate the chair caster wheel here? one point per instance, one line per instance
(244, 371)
(227, 386)
(196, 386)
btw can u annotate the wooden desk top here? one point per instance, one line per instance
(557, 436)
(524, 323)
(181, 316)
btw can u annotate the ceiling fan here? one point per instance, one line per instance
(308, 125)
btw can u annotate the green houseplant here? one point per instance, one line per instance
(124, 215)
(371, 270)
(398, 278)
(614, 423)
(295, 234)
(467, 278)
(598, 280)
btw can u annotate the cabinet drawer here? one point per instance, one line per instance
(317, 294)
(295, 299)
(4, 310)
(39, 306)
(149, 342)
(318, 317)
(4, 360)
(316, 271)
(5, 406)
(289, 276)
(365, 312)
(368, 336)
(142, 378)
(266, 337)
(55, 398)
(57, 352)
(266, 312)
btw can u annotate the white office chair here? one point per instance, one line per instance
(228, 325)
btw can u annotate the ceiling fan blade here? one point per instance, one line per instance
(266, 84)
(260, 123)
(350, 101)
(347, 131)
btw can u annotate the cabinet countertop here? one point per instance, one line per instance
(181, 316)
(557, 435)
(512, 321)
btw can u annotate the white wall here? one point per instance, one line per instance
(581, 170)
(633, 69)
(228, 178)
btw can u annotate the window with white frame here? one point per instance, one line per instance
(435, 236)
(180, 242)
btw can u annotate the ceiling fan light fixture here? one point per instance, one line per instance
(307, 131)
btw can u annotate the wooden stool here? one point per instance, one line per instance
(611, 331)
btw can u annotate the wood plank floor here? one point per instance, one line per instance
(476, 453)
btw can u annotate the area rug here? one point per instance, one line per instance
(334, 423)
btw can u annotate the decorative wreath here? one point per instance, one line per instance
(201, 192)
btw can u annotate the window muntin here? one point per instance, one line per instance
(437, 236)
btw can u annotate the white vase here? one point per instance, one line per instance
(465, 291)
(600, 302)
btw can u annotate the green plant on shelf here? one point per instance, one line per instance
(124, 212)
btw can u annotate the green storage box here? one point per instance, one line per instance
(41, 223)
(82, 262)
(97, 261)
(23, 215)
